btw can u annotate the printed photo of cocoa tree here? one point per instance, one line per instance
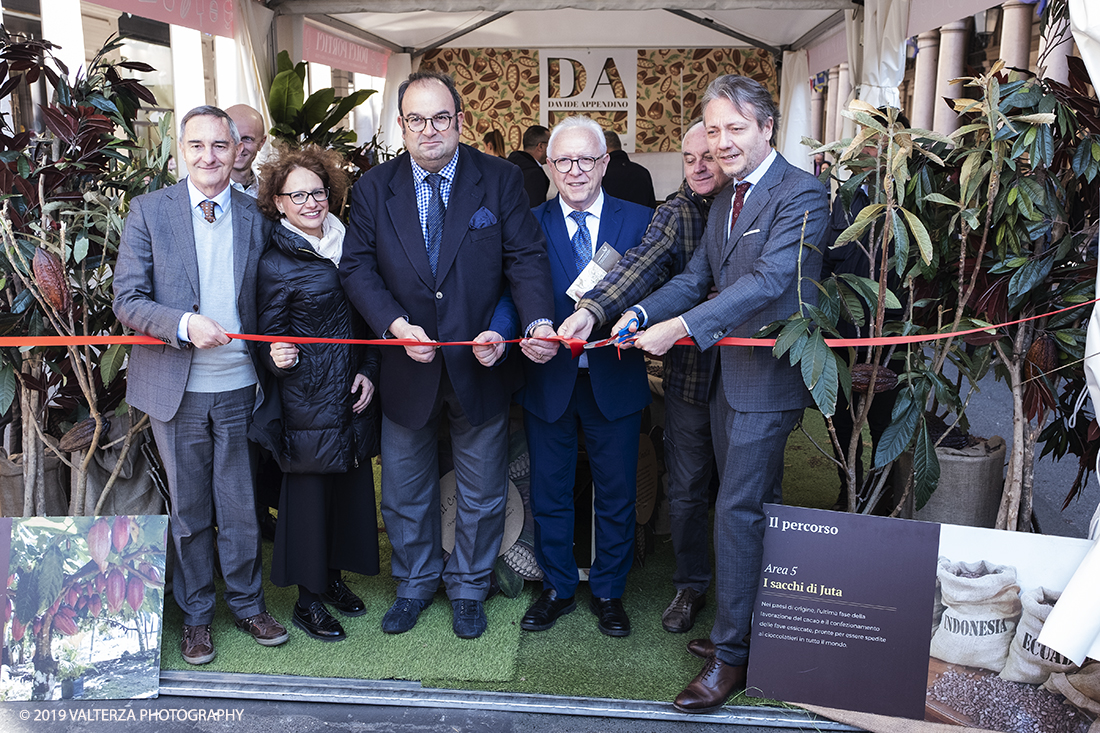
(82, 608)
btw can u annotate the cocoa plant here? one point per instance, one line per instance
(69, 574)
(65, 190)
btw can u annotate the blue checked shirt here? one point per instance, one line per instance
(424, 191)
(664, 252)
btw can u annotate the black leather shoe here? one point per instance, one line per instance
(318, 622)
(340, 597)
(544, 612)
(611, 615)
(680, 615)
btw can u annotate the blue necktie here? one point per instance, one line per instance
(436, 210)
(582, 241)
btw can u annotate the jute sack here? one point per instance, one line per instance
(1028, 660)
(1082, 688)
(982, 607)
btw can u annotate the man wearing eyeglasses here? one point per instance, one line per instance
(597, 393)
(437, 237)
(186, 275)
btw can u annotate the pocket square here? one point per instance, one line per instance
(754, 231)
(482, 218)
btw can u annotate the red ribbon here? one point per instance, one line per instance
(576, 346)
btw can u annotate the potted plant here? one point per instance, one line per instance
(65, 192)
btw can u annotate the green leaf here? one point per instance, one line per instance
(51, 576)
(8, 387)
(346, 105)
(820, 374)
(111, 362)
(287, 96)
(789, 335)
(80, 248)
(903, 422)
(926, 468)
(1027, 278)
(924, 242)
(284, 63)
(939, 198)
(26, 596)
(853, 306)
(864, 219)
(314, 109)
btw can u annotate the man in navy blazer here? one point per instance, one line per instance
(435, 237)
(761, 227)
(597, 393)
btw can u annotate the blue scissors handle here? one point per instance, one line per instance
(625, 333)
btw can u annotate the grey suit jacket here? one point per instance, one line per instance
(755, 269)
(157, 281)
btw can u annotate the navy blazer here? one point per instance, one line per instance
(620, 386)
(490, 240)
(755, 268)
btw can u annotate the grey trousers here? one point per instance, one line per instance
(749, 447)
(206, 455)
(689, 454)
(411, 508)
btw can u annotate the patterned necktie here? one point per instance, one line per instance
(436, 210)
(738, 203)
(582, 240)
(208, 210)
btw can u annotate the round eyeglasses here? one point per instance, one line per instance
(586, 164)
(299, 197)
(441, 122)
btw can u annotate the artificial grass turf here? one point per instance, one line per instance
(571, 659)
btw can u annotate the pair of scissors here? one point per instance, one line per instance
(623, 337)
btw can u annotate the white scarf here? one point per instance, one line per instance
(330, 244)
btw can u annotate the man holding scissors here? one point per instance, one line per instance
(597, 393)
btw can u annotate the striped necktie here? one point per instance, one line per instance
(436, 211)
(582, 240)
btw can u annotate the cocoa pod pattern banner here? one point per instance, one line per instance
(500, 90)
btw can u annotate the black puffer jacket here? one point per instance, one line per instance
(305, 418)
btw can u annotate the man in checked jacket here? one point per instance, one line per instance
(675, 232)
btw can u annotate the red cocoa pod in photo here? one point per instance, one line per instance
(99, 543)
(116, 590)
(65, 611)
(72, 595)
(149, 571)
(81, 603)
(65, 625)
(120, 533)
(100, 583)
(17, 629)
(135, 592)
(51, 279)
(95, 605)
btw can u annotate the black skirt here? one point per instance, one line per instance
(326, 521)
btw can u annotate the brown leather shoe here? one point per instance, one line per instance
(264, 629)
(712, 687)
(680, 615)
(197, 645)
(702, 648)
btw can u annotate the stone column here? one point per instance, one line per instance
(1055, 44)
(817, 116)
(924, 80)
(1016, 33)
(951, 66)
(844, 126)
(830, 106)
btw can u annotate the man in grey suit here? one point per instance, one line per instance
(186, 274)
(750, 253)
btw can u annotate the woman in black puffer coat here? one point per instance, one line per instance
(318, 417)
